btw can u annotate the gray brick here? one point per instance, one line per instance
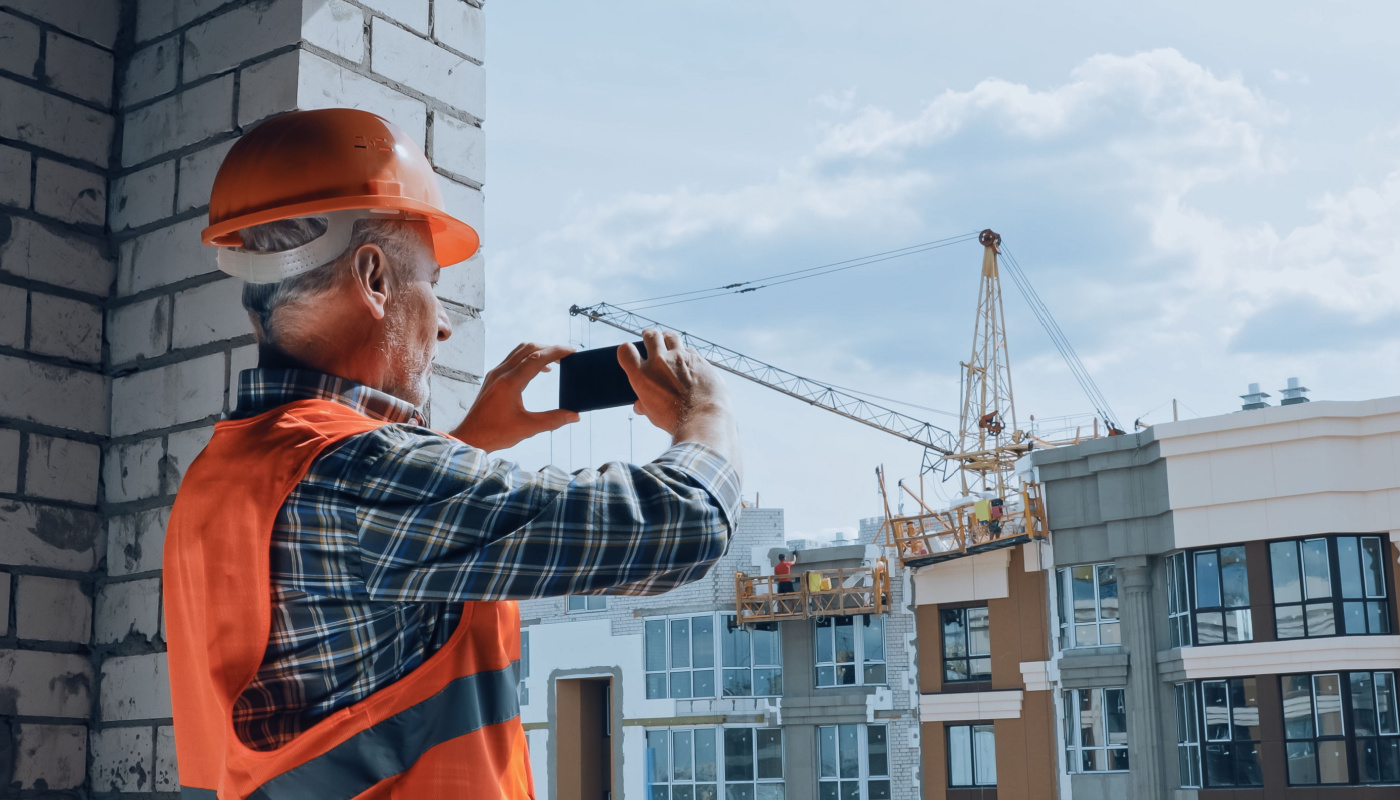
(151, 72)
(466, 204)
(46, 120)
(143, 197)
(164, 256)
(181, 451)
(50, 757)
(70, 194)
(462, 27)
(239, 359)
(413, 13)
(135, 542)
(9, 461)
(65, 328)
(465, 349)
(135, 687)
(322, 84)
(122, 760)
(14, 314)
(128, 609)
(4, 604)
(228, 40)
(459, 147)
(178, 121)
(14, 177)
(167, 775)
(140, 330)
(96, 21)
(158, 17)
(267, 88)
(19, 45)
(33, 251)
(400, 56)
(210, 313)
(449, 400)
(52, 610)
(36, 535)
(197, 171)
(336, 26)
(132, 471)
(62, 469)
(52, 395)
(166, 396)
(464, 283)
(79, 69)
(47, 684)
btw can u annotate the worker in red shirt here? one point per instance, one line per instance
(783, 568)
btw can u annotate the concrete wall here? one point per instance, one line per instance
(119, 342)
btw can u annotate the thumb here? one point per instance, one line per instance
(552, 420)
(630, 360)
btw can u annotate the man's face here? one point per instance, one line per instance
(414, 322)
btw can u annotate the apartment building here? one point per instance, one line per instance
(740, 685)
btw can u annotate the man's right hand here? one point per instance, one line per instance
(681, 393)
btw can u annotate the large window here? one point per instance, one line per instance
(967, 644)
(1178, 601)
(1096, 730)
(1188, 736)
(686, 763)
(850, 651)
(854, 762)
(1208, 597)
(1341, 727)
(591, 602)
(1230, 715)
(1088, 606)
(972, 755)
(680, 658)
(1329, 586)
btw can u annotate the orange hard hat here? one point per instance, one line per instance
(316, 163)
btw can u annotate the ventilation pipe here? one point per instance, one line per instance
(1294, 394)
(1255, 398)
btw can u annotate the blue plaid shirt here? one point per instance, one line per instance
(391, 530)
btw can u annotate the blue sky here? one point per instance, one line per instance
(1205, 195)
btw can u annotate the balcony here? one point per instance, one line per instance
(813, 593)
(967, 529)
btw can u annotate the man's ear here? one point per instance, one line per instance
(370, 272)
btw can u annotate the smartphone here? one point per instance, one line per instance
(592, 379)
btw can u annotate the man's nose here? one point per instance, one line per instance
(444, 325)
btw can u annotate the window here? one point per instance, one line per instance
(1341, 727)
(850, 653)
(1178, 602)
(1096, 730)
(1329, 586)
(967, 644)
(1222, 596)
(1230, 710)
(972, 756)
(524, 668)
(1188, 736)
(854, 762)
(685, 763)
(680, 658)
(1088, 606)
(592, 602)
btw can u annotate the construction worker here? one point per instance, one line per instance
(339, 578)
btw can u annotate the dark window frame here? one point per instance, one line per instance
(1348, 739)
(968, 656)
(1193, 590)
(1337, 602)
(972, 752)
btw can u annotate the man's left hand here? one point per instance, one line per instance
(498, 419)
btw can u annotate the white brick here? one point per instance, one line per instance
(449, 400)
(32, 251)
(46, 684)
(413, 13)
(143, 197)
(465, 349)
(122, 760)
(400, 56)
(14, 305)
(140, 330)
(132, 471)
(19, 45)
(95, 21)
(464, 283)
(164, 256)
(181, 451)
(244, 33)
(33, 535)
(459, 147)
(135, 687)
(178, 121)
(322, 84)
(14, 177)
(267, 88)
(157, 17)
(135, 542)
(210, 313)
(62, 469)
(462, 27)
(50, 757)
(151, 72)
(127, 609)
(65, 328)
(336, 26)
(167, 775)
(69, 194)
(9, 461)
(169, 395)
(197, 171)
(52, 610)
(79, 69)
(239, 359)
(466, 204)
(47, 120)
(52, 395)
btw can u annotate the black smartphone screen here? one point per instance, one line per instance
(592, 379)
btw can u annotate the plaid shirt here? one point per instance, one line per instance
(391, 530)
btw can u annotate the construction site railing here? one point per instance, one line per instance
(814, 593)
(959, 531)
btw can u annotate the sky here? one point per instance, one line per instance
(1204, 195)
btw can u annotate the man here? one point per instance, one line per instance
(783, 569)
(339, 578)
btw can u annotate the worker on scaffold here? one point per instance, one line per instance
(339, 578)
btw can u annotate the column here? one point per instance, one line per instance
(1144, 714)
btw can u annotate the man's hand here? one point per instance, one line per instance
(498, 418)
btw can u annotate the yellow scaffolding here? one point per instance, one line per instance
(934, 536)
(841, 592)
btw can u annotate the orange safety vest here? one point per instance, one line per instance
(449, 729)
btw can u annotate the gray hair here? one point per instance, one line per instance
(395, 237)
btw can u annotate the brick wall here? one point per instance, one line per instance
(119, 341)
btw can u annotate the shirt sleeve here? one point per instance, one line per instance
(439, 521)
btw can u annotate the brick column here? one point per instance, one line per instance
(1144, 713)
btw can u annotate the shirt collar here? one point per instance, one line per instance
(261, 390)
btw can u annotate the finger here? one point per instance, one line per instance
(673, 340)
(655, 344)
(538, 361)
(630, 360)
(512, 359)
(542, 421)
